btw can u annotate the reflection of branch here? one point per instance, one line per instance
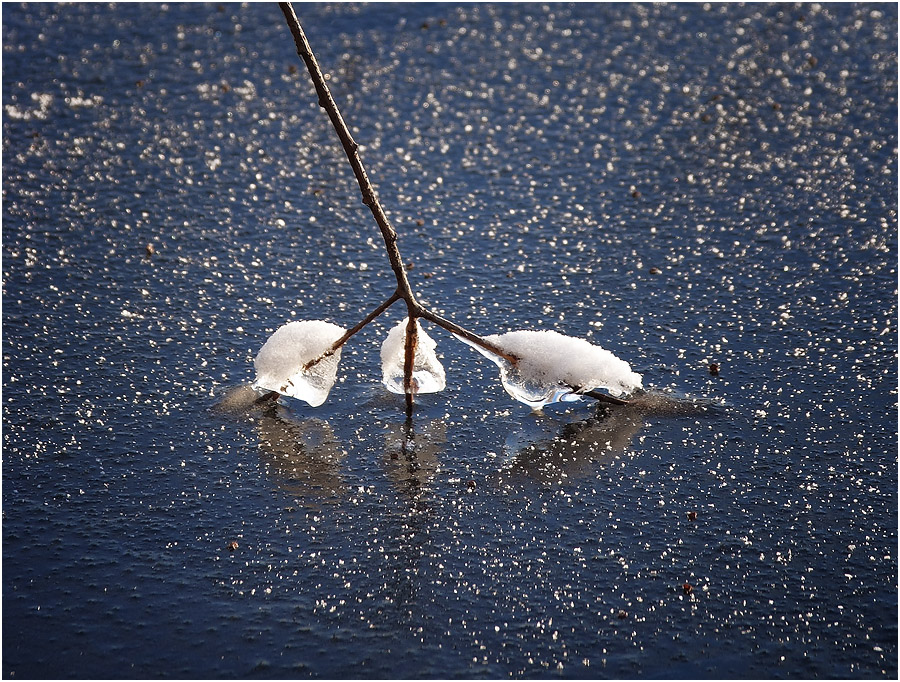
(546, 449)
(303, 458)
(411, 457)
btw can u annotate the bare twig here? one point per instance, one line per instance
(410, 385)
(350, 332)
(604, 398)
(351, 148)
(389, 234)
(454, 328)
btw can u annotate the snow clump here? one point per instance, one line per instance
(553, 367)
(280, 362)
(428, 373)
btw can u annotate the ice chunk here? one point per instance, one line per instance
(428, 373)
(554, 368)
(280, 362)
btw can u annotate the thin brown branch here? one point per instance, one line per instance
(604, 398)
(472, 337)
(370, 199)
(509, 357)
(410, 386)
(351, 148)
(350, 332)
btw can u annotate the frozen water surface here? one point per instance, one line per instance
(685, 185)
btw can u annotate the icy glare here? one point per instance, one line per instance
(279, 364)
(554, 368)
(428, 373)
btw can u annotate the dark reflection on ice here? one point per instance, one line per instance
(551, 449)
(302, 457)
(411, 453)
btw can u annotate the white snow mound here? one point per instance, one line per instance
(428, 373)
(279, 363)
(554, 367)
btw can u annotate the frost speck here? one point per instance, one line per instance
(43, 101)
(428, 373)
(279, 364)
(554, 368)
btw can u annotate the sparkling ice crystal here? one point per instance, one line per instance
(553, 367)
(279, 364)
(428, 373)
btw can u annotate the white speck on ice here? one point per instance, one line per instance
(43, 100)
(428, 373)
(552, 367)
(279, 364)
(91, 101)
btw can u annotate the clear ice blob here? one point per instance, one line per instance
(280, 362)
(428, 373)
(553, 367)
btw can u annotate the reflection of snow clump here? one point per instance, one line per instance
(553, 367)
(279, 364)
(428, 373)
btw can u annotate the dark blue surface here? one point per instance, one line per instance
(680, 184)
